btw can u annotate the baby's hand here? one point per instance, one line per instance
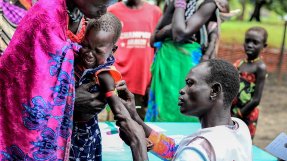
(106, 81)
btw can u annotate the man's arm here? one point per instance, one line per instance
(163, 146)
(130, 131)
(133, 135)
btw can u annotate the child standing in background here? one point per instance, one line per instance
(135, 55)
(252, 78)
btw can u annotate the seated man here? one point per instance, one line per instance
(209, 91)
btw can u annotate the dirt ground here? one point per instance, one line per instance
(273, 112)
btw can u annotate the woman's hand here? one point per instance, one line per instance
(87, 103)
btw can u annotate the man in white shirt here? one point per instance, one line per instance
(208, 94)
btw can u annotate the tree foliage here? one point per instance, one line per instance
(279, 6)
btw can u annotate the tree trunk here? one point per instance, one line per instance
(158, 2)
(256, 13)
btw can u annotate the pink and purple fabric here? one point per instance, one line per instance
(12, 13)
(37, 86)
(163, 146)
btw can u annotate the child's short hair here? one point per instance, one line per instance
(108, 23)
(261, 30)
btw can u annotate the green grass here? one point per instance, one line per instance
(234, 31)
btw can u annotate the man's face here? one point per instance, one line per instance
(194, 98)
(254, 43)
(92, 8)
(97, 47)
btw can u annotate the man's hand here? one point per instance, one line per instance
(127, 98)
(130, 131)
(134, 136)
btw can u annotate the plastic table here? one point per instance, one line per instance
(114, 149)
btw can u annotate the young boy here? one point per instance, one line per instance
(94, 59)
(135, 55)
(252, 77)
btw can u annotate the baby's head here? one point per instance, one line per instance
(99, 41)
(255, 41)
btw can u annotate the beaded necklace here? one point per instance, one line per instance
(80, 34)
(252, 61)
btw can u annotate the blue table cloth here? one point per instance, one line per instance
(116, 150)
